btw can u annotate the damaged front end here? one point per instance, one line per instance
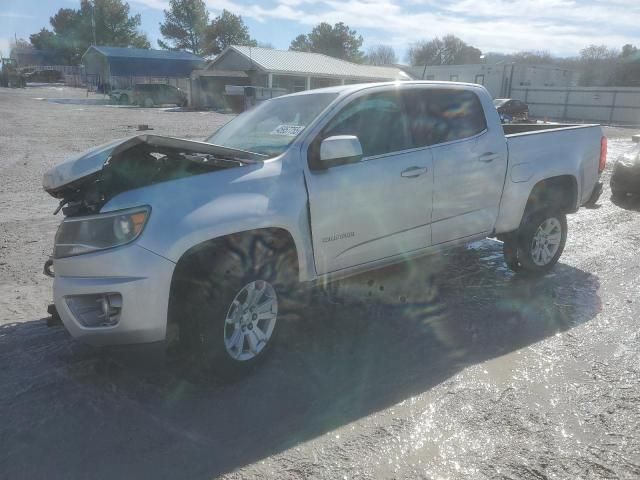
(86, 183)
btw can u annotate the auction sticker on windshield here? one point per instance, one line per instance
(288, 130)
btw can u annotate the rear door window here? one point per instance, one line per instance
(442, 115)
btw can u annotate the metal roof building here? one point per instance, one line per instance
(117, 65)
(281, 71)
(300, 70)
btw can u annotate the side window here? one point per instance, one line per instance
(438, 116)
(379, 122)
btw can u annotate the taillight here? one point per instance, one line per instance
(603, 154)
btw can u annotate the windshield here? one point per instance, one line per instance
(498, 102)
(271, 127)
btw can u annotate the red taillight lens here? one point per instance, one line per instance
(603, 154)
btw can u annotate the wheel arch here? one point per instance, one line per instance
(190, 264)
(559, 192)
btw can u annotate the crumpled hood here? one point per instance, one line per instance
(82, 165)
(87, 181)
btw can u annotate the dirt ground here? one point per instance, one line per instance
(449, 367)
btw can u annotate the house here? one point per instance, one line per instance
(118, 67)
(498, 78)
(30, 56)
(271, 72)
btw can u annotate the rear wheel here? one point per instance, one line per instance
(124, 100)
(541, 241)
(148, 102)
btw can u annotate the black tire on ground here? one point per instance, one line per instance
(148, 102)
(616, 193)
(618, 196)
(124, 100)
(208, 285)
(527, 240)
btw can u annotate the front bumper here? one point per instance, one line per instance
(141, 278)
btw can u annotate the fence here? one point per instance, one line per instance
(65, 69)
(610, 105)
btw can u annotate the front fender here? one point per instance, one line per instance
(193, 210)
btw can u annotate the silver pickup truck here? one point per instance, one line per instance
(204, 243)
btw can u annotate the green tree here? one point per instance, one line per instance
(113, 24)
(73, 30)
(629, 51)
(337, 41)
(448, 50)
(225, 30)
(381, 55)
(627, 72)
(185, 25)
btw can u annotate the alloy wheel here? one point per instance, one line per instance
(250, 320)
(546, 241)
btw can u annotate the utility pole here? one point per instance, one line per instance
(93, 21)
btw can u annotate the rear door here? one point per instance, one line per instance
(378, 207)
(470, 162)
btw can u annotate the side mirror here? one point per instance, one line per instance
(339, 150)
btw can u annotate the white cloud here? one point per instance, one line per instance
(562, 27)
(155, 4)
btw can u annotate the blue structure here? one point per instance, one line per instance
(122, 67)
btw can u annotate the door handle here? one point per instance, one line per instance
(413, 172)
(488, 157)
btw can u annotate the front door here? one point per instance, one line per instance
(378, 207)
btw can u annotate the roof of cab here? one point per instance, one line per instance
(347, 89)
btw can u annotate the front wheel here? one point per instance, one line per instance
(541, 241)
(234, 303)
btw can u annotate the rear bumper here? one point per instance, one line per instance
(141, 278)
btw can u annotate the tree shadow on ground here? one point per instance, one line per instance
(398, 333)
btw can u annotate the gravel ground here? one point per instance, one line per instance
(466, 371)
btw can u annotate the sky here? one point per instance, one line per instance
(561, 27)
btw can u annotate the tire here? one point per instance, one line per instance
(124, 100)
(541, 241)
(225, 331)
(616, 193)
(148, 102)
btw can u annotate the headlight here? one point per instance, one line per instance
(78, 235)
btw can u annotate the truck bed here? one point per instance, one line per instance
(572, 150)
